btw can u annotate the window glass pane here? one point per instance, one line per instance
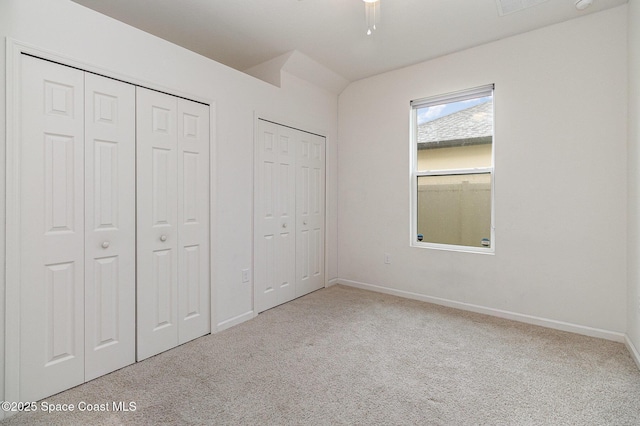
(455, 135)
(455, 209)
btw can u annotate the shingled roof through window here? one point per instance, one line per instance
(471, 126)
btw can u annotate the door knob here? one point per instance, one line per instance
(163, 238)
(105, 244)
(284, 225)
(304, 222)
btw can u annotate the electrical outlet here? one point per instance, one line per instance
(245, 275)
(387, 258)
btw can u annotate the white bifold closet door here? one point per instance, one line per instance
(289, 215)
(110, 225)
(275, 245)
(310, 196)
(173, 221)
(77, 233)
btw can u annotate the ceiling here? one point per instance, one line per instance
(245, 33)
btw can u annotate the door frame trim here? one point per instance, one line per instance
(10, 333)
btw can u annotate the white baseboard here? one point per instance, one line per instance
(333, 282)
(635, 354)
(529, 319)
(235, 321)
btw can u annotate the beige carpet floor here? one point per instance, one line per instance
(347, 356)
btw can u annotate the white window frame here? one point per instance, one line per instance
(415, 173)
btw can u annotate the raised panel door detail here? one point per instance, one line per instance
(190, 187)
(162, 200)
(318, 252)
(59, 99)
(105, 184)
(60, 199)
(163, 300)
(106, 302)
(268, 190)
(317, 152)
(105, 108)
(316, 191)
(303, 195)
(190, 126)
(269, 253)
(304, 151)
(284, 145)
(60, 290)
(161, 119)
(303, 250)
(285, 196)
(286, 247)
(268, 137)
(192, 281)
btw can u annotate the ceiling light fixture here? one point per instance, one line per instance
(583, 4)
(372, 13)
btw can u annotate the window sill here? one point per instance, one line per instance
(449, 247)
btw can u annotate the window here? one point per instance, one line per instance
(452, 171)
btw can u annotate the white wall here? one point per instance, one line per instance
(633, 309)
(79, 33)
(560, 191)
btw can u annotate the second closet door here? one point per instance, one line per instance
(275, 190)
(173, 221)
(110, 200)
(157, 231)
(289, 214)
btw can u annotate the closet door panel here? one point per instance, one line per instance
(310, 210)
(275, 211)
(266, 221)
(51, 229)
(157, 230)
(286, 202)
(110, 225)
(193, 220)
